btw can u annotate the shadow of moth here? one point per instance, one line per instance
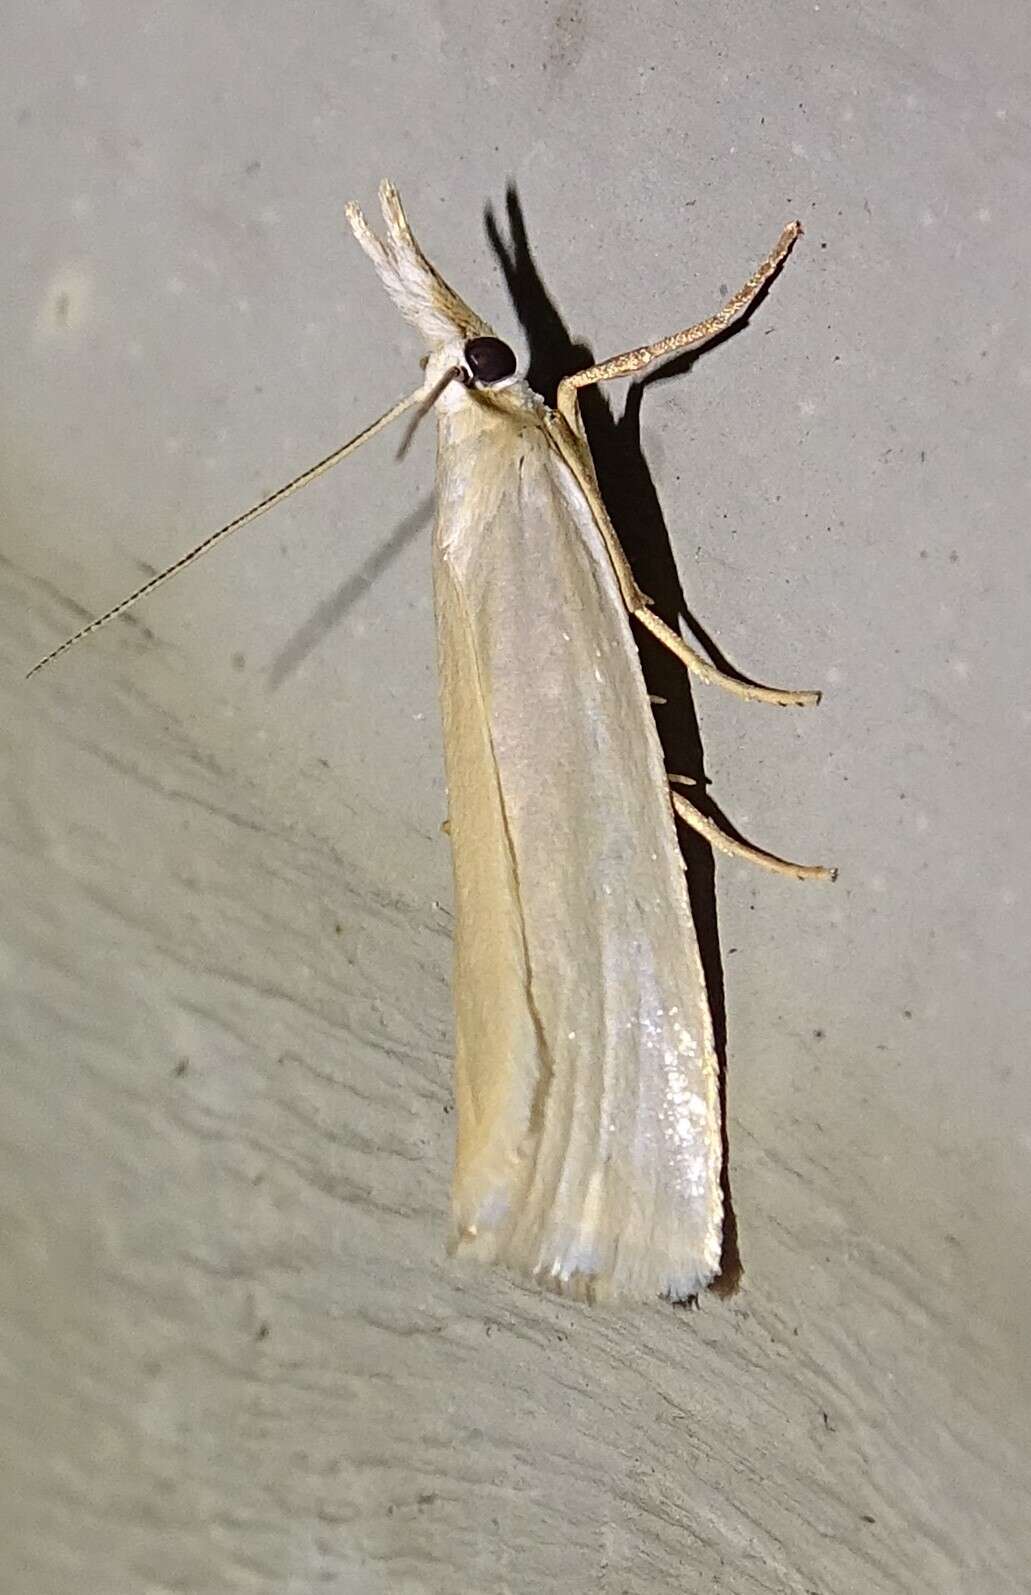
(588, 1151)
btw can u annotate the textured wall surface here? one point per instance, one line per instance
(235, 1356)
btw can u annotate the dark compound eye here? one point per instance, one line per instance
(489, 360)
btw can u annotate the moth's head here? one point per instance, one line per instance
(461, 346)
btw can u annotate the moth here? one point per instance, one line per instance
(588, 1152)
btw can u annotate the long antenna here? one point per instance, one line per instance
(425, 405)
(241, 520)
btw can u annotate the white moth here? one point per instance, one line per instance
(589, 1149)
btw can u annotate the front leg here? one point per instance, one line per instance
(624, 365)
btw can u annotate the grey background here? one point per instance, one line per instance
(235, 1355)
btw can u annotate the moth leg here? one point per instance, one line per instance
(708, 672)
(624, 365)
(729, 844)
